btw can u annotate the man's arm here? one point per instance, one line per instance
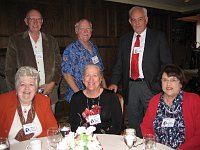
(113, 87)
(11, 64)
(71, 82)
(48, 87)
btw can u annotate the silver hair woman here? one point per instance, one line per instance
(23, 112)
(27, 71)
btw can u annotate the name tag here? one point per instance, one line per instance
(94, 119)
(29, 128)
(38, 55)
(168, 122)
(95, 59)
(137, 50)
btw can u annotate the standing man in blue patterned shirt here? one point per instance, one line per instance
(77, 55)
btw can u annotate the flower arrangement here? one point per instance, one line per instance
(83, 139)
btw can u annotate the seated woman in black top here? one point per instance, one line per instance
(94, 105)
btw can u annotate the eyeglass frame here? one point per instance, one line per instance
(172, 80)
(35, 19)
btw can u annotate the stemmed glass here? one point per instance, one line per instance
(4, 144)
(130, 137)
(53, 137)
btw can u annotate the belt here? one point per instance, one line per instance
(136, 80)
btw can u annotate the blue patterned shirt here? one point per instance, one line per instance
(75, 58)
(170, 136)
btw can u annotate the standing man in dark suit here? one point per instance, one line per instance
(141, 56)
(36, 49)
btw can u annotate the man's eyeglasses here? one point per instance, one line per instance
(35, 19)
(173, 80)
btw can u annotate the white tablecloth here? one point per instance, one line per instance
(108, 142)
(116, 142)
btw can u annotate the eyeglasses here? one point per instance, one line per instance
(172, 80)
(83, 29)
(35, 19)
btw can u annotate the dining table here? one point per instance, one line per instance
(108, 142)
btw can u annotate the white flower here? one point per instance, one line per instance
(90, 130)
(81, 130)
(79, 140)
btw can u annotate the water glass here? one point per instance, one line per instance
(130, 131)
(53, 137)
(149, 142)
(4, 144)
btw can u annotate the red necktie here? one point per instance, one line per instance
(134, 60)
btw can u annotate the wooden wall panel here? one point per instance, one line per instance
(7, 19)
(110, 21)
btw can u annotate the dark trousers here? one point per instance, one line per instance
(138, 100)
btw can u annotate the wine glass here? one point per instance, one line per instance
(129, 140)
(53, 137)
(4, 144)
(130, 131)
(130, 137)
(64, 128)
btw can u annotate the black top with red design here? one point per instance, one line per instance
(110, 114)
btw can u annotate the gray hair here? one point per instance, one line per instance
(91, 64)
(77, 25)
(27, 71)
(137, 8)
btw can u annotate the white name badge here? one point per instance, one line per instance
(29, 128)
(137, 50)
(94, 119)
(38, 55)
(168, 122)
(95, 59)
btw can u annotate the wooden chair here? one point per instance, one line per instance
(121, 100)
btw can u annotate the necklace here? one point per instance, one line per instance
(93, 102)
(25, 109)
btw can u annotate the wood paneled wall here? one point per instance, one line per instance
(110, 21)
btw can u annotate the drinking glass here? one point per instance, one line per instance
(53, 137)
(130, 140)
(4, 144)
(130, 131)
(149, 142)
(64, 128)
(130, 137)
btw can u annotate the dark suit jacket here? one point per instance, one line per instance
(156, 55)
(20, 53)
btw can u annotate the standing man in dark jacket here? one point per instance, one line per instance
(141, 56)
(36, 49)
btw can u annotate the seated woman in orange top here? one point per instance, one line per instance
(24, 114)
